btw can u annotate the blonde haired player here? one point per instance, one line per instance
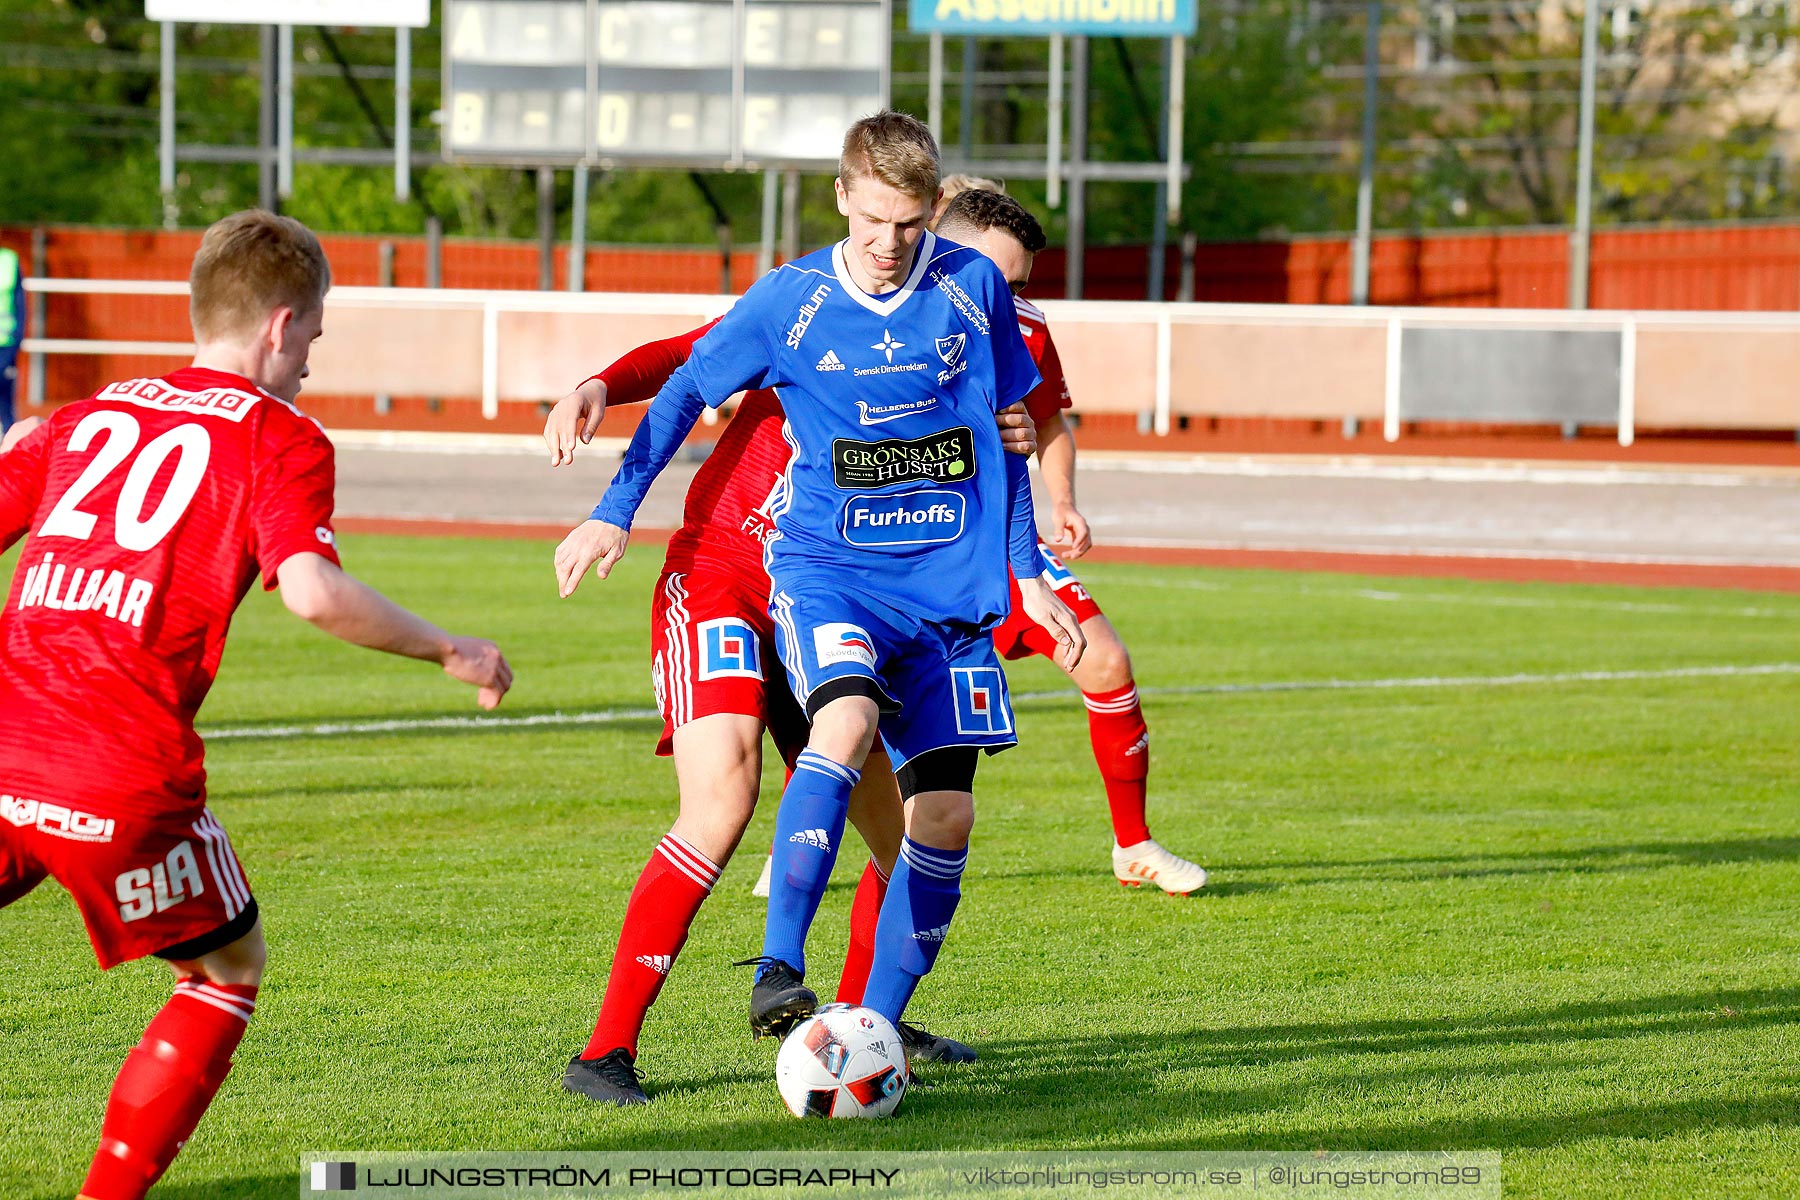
(1004, 231)
(148, 510)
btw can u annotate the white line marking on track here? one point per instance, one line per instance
(1448, 681)
(418, 724)
(606, 716)
(1478, 601)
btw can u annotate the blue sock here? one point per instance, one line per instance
(921, 899)
(808, 828)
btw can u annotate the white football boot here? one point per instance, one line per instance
(1148, 862)
(762, 881)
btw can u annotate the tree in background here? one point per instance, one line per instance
(1484, 105)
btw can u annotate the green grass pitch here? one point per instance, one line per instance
(1560, 919)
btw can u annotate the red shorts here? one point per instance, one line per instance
(1019, 636)
(164, 885)
(712, 650)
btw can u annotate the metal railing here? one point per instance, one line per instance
(1631, 370)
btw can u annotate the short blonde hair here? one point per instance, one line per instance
(250, 264)
(956, 185)
(895, 149)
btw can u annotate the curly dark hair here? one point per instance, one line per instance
(974, 212)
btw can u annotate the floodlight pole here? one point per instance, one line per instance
(965, 123)
(284, 163)
(1159, 228)
(578, 231)
(1053, 140)
(1580, 241)
(166, 149)
(934, 103)
(402, 113)
(1078, 132)
(790, 215)
(266, 194)
(1365, 181)
(765, 255)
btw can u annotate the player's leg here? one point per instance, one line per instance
(926, 885)
(1121, 741)
(809, 828)
(19, 873)
(709, 652)
(955, 707)
(834, 650)
(876, 811)
(1116, 729)
(718, 768)
(171, 1076)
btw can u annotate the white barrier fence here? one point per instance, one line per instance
(1632, 370)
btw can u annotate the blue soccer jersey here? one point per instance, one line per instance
(898, 488)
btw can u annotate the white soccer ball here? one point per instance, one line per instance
(843, 1061)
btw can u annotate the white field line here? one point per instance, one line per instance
(1068, 696)
(1526, 602)
(1402, 550)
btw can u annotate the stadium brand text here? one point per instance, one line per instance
(53, 585)
(55, 819)
(804, 317)
(946, 457)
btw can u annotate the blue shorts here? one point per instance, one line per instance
(939, 685)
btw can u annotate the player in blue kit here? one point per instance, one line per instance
(896, 522)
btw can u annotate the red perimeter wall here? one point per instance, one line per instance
(1719, 268)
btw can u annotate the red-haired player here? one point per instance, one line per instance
(148, 511)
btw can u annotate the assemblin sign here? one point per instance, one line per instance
(1119, 18)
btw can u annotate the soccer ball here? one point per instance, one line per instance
(843, 1061)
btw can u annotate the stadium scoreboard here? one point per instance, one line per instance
(697, 83)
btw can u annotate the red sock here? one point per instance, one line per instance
(865, 914)
(165, 1085)
(662, 907)
(1122, 750)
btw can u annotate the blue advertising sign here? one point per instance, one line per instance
(1040, 18)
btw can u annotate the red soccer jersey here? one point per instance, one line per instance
(1052, 395)
(150, 508)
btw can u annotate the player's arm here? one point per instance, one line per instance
(1015, 377)
(1056, 457)
(317, 590)
(736, 354)
(23, 460)
(633, 379)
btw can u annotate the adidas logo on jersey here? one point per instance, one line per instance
(831, 362)
(660, 963)
(932, 935)
(818, 839)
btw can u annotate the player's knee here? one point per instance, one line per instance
(844, 728)
(1105, 664)
(241, 963)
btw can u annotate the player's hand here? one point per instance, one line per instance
(593, 544)
(1046, 608)
(478, 662)
(17, 431)
(1069, 533)
(574, 420)
(1018, 432)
